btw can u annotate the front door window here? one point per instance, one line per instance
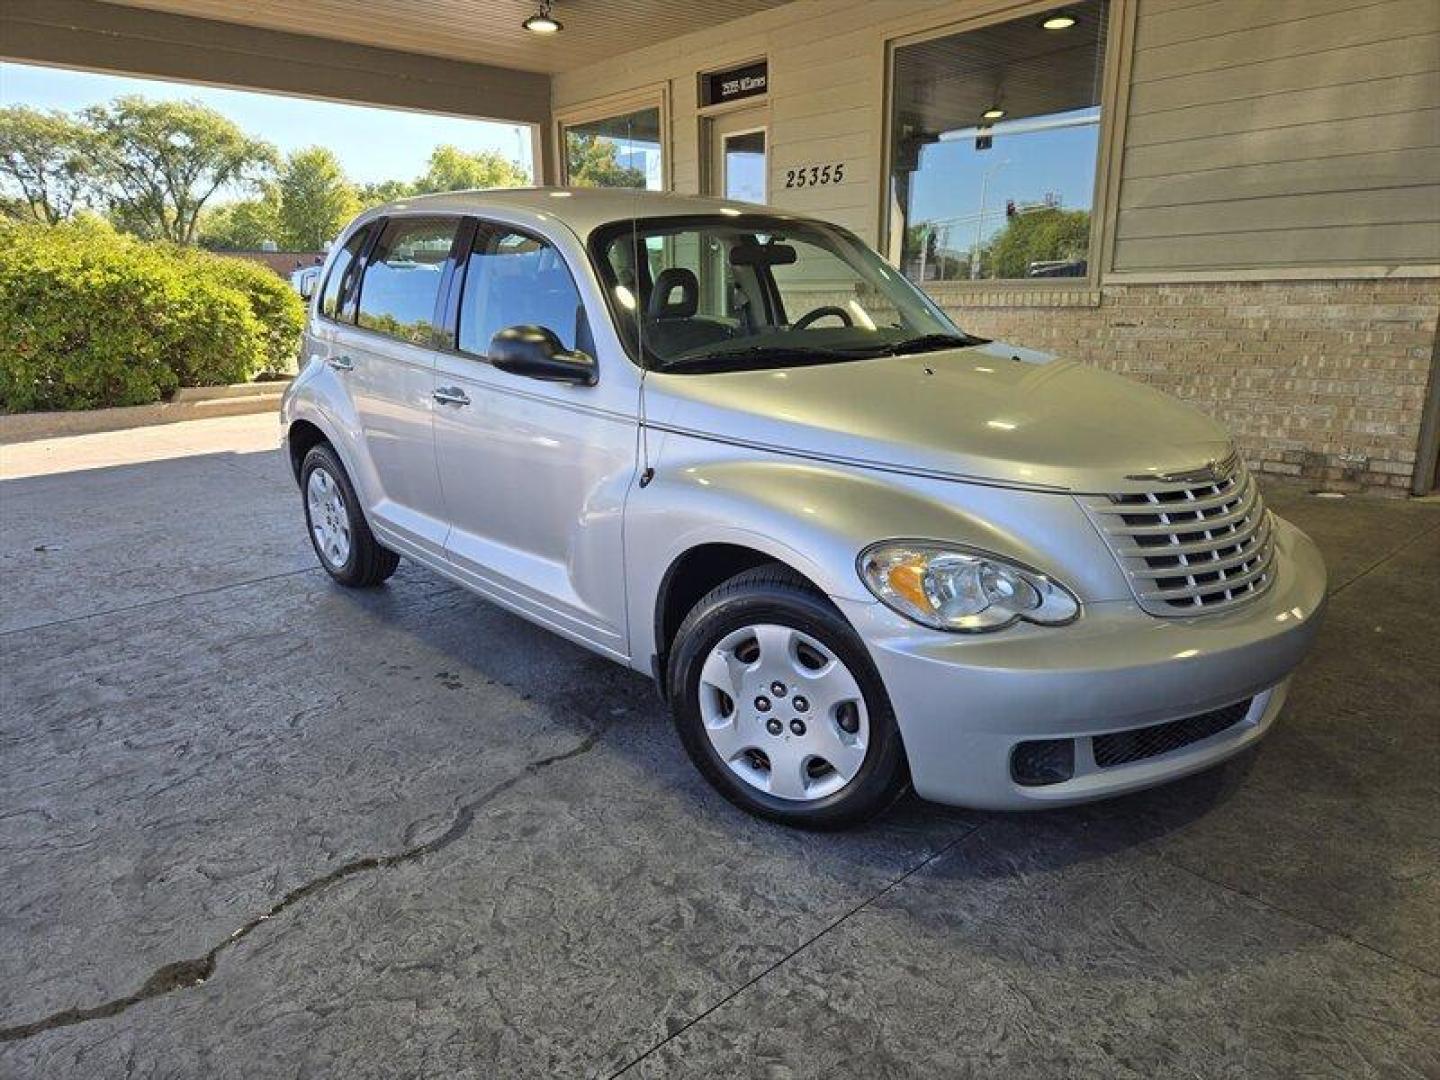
(514, 279)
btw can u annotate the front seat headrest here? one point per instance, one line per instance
(665, 304)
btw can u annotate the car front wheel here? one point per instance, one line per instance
(779, 706)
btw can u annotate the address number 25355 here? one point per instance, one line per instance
(814, 175)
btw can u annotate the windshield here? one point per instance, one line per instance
(715, 293)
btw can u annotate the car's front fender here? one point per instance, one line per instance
(817, 517)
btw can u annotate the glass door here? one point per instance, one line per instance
(737, 155)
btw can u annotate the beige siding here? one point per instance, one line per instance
(827, 76)
(104, 37)
(1294, 133)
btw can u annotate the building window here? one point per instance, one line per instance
(996, 135)
(618, 151)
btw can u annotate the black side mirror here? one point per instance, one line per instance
(537, 353)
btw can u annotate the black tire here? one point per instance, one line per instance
(777, 595)
(367, 564)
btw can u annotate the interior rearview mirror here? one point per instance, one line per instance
(762, 255)
(537, 353)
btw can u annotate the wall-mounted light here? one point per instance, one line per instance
(1057, 20)
(994, 112)
(542, 22)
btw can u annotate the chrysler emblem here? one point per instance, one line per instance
(1212, 472)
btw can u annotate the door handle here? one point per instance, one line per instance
(451, 395)
(341, 363)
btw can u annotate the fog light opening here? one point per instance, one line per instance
(1043, 761)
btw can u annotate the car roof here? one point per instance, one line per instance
(581, 209)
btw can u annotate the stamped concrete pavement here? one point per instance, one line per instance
(254, 825)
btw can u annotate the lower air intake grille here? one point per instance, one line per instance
(1123, 747)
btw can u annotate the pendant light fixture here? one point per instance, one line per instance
(542, 22)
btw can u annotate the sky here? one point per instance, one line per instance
(1024, 168)
(372, 144)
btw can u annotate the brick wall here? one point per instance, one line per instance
(283, 263)
(1304, 373)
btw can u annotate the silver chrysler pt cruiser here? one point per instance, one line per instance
(856, 547)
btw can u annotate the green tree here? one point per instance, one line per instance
(245, 225)
(162, 161)
(44, 163)
(1037, 236)
(591, 162)
(384, 191)
(315, 199)
(452, 169)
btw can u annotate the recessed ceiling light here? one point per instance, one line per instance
(1058, 20)
(995, 112)
(542, 22)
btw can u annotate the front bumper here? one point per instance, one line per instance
(963, 702)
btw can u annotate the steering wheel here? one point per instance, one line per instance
(820, 313)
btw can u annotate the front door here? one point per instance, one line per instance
(738, 143)
(534, 473)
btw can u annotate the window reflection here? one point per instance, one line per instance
(996, 137)
(621, 151)
(745, 167)
(402, 280)
(513, 279)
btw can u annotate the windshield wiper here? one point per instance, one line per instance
(931, 343)
(760, 355)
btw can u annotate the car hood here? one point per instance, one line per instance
(995, 413)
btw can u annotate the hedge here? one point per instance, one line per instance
(90, 318)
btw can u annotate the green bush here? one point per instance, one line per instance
(91, 318)
(273, 302)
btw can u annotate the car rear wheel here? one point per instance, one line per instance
(779, 706)
(342, 539)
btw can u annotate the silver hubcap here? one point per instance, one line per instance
(783, 712)
(329, 523)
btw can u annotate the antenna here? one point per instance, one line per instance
(638, 252)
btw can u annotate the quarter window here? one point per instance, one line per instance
(402, 278)
(994, 151)
(341, 282)
(514, 279)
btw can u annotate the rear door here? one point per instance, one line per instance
(389, 358)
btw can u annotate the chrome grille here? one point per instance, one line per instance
(1190, 546)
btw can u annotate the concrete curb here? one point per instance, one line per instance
(190, 403)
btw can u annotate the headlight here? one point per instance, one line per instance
(948, 587)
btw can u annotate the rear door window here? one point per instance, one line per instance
(402, 278)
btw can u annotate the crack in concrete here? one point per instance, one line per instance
(197, 970)
(141, 605)
(1378, 563)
